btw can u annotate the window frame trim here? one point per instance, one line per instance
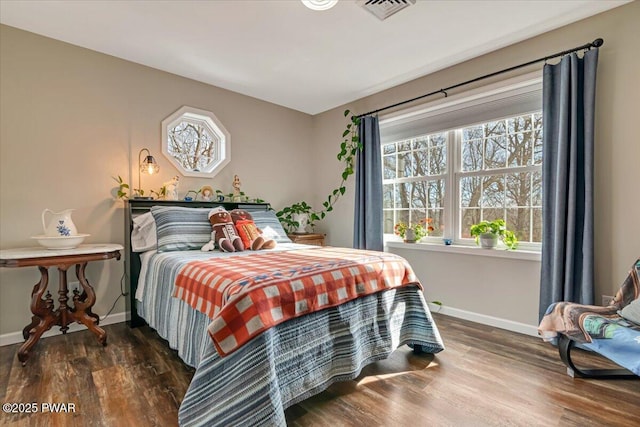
(196, 115)
(477, 96)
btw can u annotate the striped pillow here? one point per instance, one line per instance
(267, 221)
(181, 229)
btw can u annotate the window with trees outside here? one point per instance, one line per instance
(196, 142)
(473, 172)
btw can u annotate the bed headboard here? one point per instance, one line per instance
(135, 207)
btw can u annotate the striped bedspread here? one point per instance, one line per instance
(244, 296)
(287, 363)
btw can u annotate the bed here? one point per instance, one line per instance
(254, 380)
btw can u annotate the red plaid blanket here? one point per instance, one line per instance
(246, 295)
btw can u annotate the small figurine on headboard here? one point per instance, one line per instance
(207, 193)
(237, 197)
(171, 188)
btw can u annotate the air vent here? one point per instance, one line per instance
(385, 8)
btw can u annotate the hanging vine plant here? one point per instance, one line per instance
(348, 149)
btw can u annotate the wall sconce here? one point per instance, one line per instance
(148, 166)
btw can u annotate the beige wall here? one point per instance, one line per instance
(617, 231)
(70, 120)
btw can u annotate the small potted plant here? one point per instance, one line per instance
(413, 233)
(297, 217)
(487, 234)
(301, 214)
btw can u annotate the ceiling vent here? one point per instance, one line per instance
(385, 8)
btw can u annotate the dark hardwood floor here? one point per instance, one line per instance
(485, 377)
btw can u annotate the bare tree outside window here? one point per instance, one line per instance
(413, 181)
(196, 142)
(499, 176)
(193, 145)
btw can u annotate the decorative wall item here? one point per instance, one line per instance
(196, 142)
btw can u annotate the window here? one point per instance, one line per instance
(196, 142)
(414, 181)
(477, 170)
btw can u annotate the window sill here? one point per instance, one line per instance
(467, 250)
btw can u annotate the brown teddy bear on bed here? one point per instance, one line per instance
(224, 233)
(250, 234)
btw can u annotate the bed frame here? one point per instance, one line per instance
(135, 207)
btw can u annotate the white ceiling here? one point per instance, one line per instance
(280, 51)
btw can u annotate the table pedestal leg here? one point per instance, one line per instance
(83, 303)
(43, 318)
(63, 292)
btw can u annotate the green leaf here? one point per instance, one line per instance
(342, 190)
(346, 113)
(345, 175)
(345, 133)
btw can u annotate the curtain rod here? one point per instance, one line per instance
(596, 43)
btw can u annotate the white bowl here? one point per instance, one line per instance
(60, 242)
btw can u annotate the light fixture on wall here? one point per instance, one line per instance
(319, 4)
(147, 166)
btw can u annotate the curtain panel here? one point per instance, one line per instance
(367, 229)
(567, 174)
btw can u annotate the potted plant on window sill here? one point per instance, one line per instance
(413, 233)
(487, 234)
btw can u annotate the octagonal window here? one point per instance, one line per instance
(196, 142)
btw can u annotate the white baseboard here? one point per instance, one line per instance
(16, 337)
(484, 319)
(510, 325)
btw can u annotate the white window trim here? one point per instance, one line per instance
(522, 254)
(517, 85)
(196, 116)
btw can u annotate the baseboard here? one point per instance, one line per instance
(510, 325)
(484, 319)
(16, 337)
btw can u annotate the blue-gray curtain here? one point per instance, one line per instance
(367, 229)
(568, 109)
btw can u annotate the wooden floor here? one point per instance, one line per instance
(485, 377)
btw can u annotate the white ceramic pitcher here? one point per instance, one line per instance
(60, 224)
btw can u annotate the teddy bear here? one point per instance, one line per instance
(250, 234)
(224, 233)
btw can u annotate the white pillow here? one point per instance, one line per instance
(143, 235)
(631, 312)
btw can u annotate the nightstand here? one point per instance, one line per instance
(315, 239)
